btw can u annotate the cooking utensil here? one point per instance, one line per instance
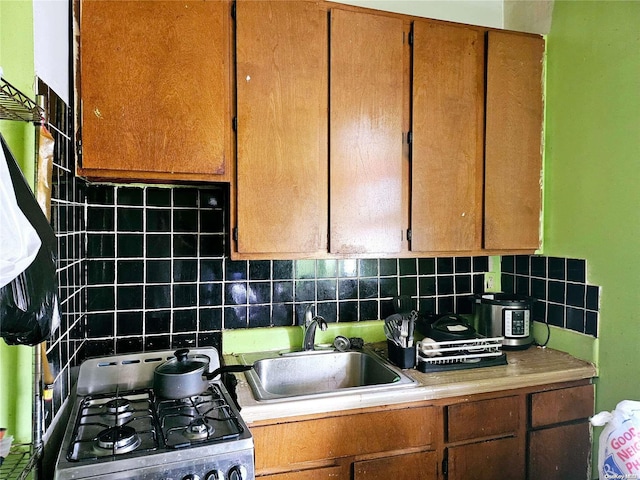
(392, 328)
(187, 375)
(413, 318)
(404, 333)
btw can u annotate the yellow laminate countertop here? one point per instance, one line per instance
(526, 368)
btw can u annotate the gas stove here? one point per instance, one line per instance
(119, 429)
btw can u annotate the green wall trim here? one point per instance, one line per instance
(281, 338)
(584, 347)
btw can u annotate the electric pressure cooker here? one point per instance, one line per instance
(505, 315)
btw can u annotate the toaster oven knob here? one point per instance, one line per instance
(191, 476)
(238, 473)
(214, 475)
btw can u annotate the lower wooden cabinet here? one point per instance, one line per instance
(485, 439)
(560, 436)
(524, 434)
(344, 438)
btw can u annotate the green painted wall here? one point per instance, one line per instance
(16, 60)
(592, 178)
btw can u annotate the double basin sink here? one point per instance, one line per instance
(278, 376)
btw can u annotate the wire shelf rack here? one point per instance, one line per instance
(20, 462)
(15, 105)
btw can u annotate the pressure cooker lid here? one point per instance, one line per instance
(183, 363)
(506, 299)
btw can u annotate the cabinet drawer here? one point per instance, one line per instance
(328, 473)
(411, 466)
(564, 405)
(485, 418)
(281, 445)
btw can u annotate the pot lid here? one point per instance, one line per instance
(183, 363)
(451, 327)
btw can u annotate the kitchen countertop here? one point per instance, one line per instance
(526, 368)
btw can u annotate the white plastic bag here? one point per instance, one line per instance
(19, 241)
(619, 443)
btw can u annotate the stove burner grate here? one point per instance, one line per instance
(204, 418)
(112, 424)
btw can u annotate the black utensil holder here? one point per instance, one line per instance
(403, 357)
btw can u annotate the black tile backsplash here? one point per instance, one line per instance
(172, 275)
(68, 203)
(564, 299)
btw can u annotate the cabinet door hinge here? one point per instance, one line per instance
(79, 148)
(235, 234)
(234, 124)
(409, 234)
(409, 138)
(411, 37)
(233, 10)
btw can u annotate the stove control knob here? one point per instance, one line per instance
(191, 476)
(214, 475)
(238, 473)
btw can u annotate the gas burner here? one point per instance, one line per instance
(118, 408)
(118, 405)
(199, 429)
(119, 439)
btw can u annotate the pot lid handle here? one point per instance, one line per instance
(182, 354)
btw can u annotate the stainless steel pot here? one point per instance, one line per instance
(187, 375)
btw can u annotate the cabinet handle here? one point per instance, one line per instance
(445, 465)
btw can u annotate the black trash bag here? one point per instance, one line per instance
(29, 303)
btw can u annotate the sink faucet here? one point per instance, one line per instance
(309, 326)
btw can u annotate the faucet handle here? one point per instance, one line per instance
(308, 316)
(322, 323)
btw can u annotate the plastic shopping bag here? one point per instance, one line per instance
(29, 309)
(619, 443)
(19, 241)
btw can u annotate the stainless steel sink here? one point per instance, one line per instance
(317, 373)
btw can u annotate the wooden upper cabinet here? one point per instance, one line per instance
(448, 137)
(155, 89)
(282, 165)
(365, 131)
(513, 160)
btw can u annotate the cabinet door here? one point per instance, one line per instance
(562, 405)
(154, 80)
(365, 133)
(448, 138)
(503, 458)
(513, 160)
(560, 453)
(412, 466)
(282, 179)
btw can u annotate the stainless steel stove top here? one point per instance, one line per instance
(119, 429)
